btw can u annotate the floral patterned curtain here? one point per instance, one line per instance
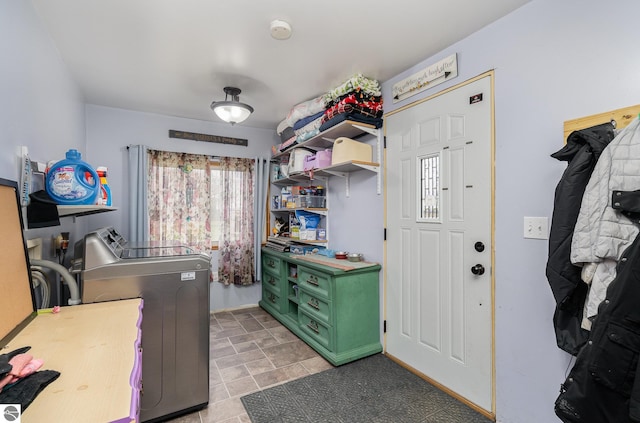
(236, 246)
(179, 200)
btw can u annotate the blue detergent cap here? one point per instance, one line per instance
(73, 154)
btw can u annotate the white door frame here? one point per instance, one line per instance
(492, 413)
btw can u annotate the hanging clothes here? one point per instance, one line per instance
(602, 233)
(604, 384)
(581, 152)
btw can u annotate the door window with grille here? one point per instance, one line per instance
(429, 188)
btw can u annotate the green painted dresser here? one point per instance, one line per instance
(336, 312)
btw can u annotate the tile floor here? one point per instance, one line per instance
(250, 351)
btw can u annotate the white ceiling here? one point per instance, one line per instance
(174, 57)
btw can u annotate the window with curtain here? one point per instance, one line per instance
(205, 204)
(236, 242)
(179, 198)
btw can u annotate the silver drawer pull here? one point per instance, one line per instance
(312, 280)
(272, 280)
(313, 303)
(272, 298)
(271, 264)
(313, 326)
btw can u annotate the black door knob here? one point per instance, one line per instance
(479, 246)
(478, 269)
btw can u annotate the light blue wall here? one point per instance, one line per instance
(554, 61)
(41, 107)
(356, 220)
(110, 131)
(40, 104)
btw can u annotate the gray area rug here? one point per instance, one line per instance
(373, 389)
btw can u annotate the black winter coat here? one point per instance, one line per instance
(582, 151)
(604, 384)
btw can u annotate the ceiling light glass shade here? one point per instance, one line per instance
(232, 111)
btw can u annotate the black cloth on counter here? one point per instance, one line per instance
(42, 211)
(5, 367)
(25, 390)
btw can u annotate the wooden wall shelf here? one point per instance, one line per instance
(622, 118)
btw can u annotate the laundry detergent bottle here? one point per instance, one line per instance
(105, 192)
(72, 181)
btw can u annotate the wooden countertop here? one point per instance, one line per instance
(93, 348)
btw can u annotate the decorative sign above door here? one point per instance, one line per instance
(207, 138)
(433, 75)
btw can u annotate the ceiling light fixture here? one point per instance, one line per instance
(231, 111)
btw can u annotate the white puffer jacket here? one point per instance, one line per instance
(601, 233)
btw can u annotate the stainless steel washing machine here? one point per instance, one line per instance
(173, 280)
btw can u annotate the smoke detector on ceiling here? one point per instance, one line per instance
(280, 30)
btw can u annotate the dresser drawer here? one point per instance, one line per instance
(316, 306)
(316, 282)
(271, 280)
(271, 298)
(273, 264)
(319, 331)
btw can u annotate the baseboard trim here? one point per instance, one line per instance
(234, 308)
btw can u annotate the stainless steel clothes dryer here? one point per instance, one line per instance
(173, 281)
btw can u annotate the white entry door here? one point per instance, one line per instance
(439, 239)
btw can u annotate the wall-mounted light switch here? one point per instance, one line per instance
(536, 227)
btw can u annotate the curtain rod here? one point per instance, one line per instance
(211, 156)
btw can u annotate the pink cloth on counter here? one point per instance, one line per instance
(31, 367)
(23, 365)
(19, 362)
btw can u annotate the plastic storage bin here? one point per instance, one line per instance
(346, 150)
(296, 160)
(305, 249)
(309, 162)
(314, 201)
(323, 158)
(318, 161)
(310, 201)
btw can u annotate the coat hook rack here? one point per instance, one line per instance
(619, 118)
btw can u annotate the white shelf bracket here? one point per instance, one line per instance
(346, 190)
(379, 136)
(371, 131)
(336, 173)
(370, 168)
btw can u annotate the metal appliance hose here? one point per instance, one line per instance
(68, 278)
